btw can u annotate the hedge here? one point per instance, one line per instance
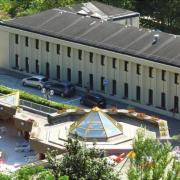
(34, 98)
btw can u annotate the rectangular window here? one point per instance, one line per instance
(163, 100)
(114, 87)
(16, 39)
(16, 61)
(68, 52)
(138, 69)
(102, 83)
(47, 46)
(150, 72)
(26, 41)
(138, 93)
(91, 81)
(114, 63)
(176, 104)
(126, 90)
(37, 66)
(91, 57)
(58, 72)
(80, 54)
(68, 74)
(80, 78)
(102, 60)
(150, 100)
(58, 49)
(27, 64)
(163, 75)
(126, 66)
(176, 78)
(37, 44)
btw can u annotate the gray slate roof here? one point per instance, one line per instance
(106, 35)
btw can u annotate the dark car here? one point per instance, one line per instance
(62, 88)
(92, 100)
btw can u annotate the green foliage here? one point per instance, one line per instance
(45, 175)
(64, 178)
(4, 177)
(33, 98)
(81, 163)
(153, 160)
(26, 172)
(29, 172)
(176, 138)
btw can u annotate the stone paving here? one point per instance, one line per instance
(8, 142)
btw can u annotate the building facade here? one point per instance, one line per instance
(140, 82)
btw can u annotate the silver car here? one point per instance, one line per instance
(34, 81)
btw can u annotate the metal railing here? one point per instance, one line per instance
(36, 107)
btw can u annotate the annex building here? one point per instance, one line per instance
(101, 47)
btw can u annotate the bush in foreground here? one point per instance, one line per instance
(152, 160)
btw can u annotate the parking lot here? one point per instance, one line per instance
(14, 81)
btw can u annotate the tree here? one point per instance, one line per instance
(81, 163)
(153, 160)
(127, 4)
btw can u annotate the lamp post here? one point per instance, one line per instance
(47, 93)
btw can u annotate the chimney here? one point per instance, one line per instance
(156, 38)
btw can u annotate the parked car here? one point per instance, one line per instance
(34, 81)
(62, 88)
(92, 100)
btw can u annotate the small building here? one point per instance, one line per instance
(105, 12)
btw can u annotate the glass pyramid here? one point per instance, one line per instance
(96, 125)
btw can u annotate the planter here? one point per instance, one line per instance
(60, 111)
(140, 116)
(113, 111)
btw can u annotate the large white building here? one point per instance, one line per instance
(140, 66)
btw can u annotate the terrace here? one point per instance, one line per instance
(15, 151)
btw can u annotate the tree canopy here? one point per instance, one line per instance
(81, 163)
(153, 160)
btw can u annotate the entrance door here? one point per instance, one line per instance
(68, 74)
(163, 100)
(47, 70)
(37, 67)
(91, 81)
(150, 96)
(176, 103)
(27, 64)
(58, 72)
